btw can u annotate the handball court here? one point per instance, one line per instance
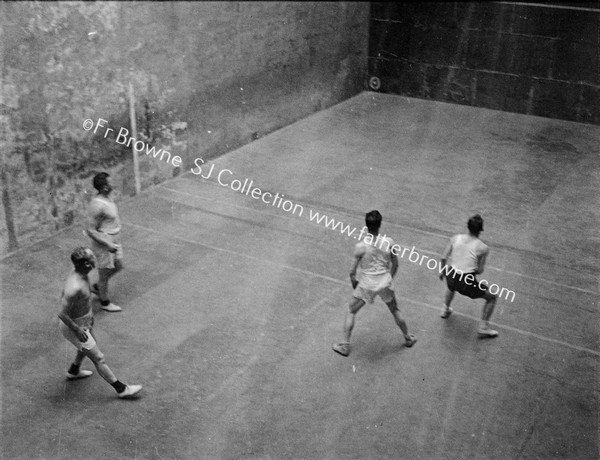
(230, 305)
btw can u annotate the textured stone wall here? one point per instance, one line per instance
(533, 59)
(207, 77)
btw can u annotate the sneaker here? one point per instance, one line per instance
(447, 312)
(129, 391)
(111, 307)
(80, 375)
(485, 331)
(343, 348)
(410, 342)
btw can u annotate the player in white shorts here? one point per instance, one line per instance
(105, 230)
(371, 275)
(76, 322)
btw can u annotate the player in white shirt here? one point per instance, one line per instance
(466, 255)
(371, 275)
(104, 230)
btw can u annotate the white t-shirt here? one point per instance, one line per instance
(104, 212)
(375, 263)
(466, 251)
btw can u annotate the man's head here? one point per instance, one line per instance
(102, 183)
(373, 221)
(475, 225)
(83, 259)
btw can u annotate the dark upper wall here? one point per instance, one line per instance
(207, 76)
(538, 60)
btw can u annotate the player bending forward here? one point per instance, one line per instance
(77, 320)
(376, 266)
(467, 254)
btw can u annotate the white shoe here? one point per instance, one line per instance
(80, 375)
(129, 391)
(485, 331)
(410, 341)
(111, 307)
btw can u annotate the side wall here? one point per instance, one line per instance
(534, 59)
(207, 77)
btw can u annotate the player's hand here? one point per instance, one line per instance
(81, 335)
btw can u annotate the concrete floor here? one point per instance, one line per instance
(231, 305)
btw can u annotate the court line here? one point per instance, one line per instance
(422, 251)
(559, 7)
(508, 328)
(342, 282)
(230, 381)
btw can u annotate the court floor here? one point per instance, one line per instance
(231, 301)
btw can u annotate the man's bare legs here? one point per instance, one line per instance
(393, 307)
(488, 309)
(96, 356)
(343, 348)
(353, 308)
(105, 274)
(447, 301)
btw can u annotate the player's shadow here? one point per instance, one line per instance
(376, 349)
(458, 330)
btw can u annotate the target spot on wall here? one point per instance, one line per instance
(374, 83)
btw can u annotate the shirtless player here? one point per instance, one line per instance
(77, 320)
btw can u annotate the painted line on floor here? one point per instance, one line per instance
(503, 326)
(343, 282)
(422, 251)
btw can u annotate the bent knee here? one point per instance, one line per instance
(95, 355)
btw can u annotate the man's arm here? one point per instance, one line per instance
(66, 318)
(353, 279)
(394, 267)
(444, 258)
(481, 263)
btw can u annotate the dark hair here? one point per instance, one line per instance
(373, 221)
(80, 256)
(475, 224)
(100, 180)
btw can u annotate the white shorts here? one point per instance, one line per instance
(371, 286)
(85, 322)
(105, 258)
